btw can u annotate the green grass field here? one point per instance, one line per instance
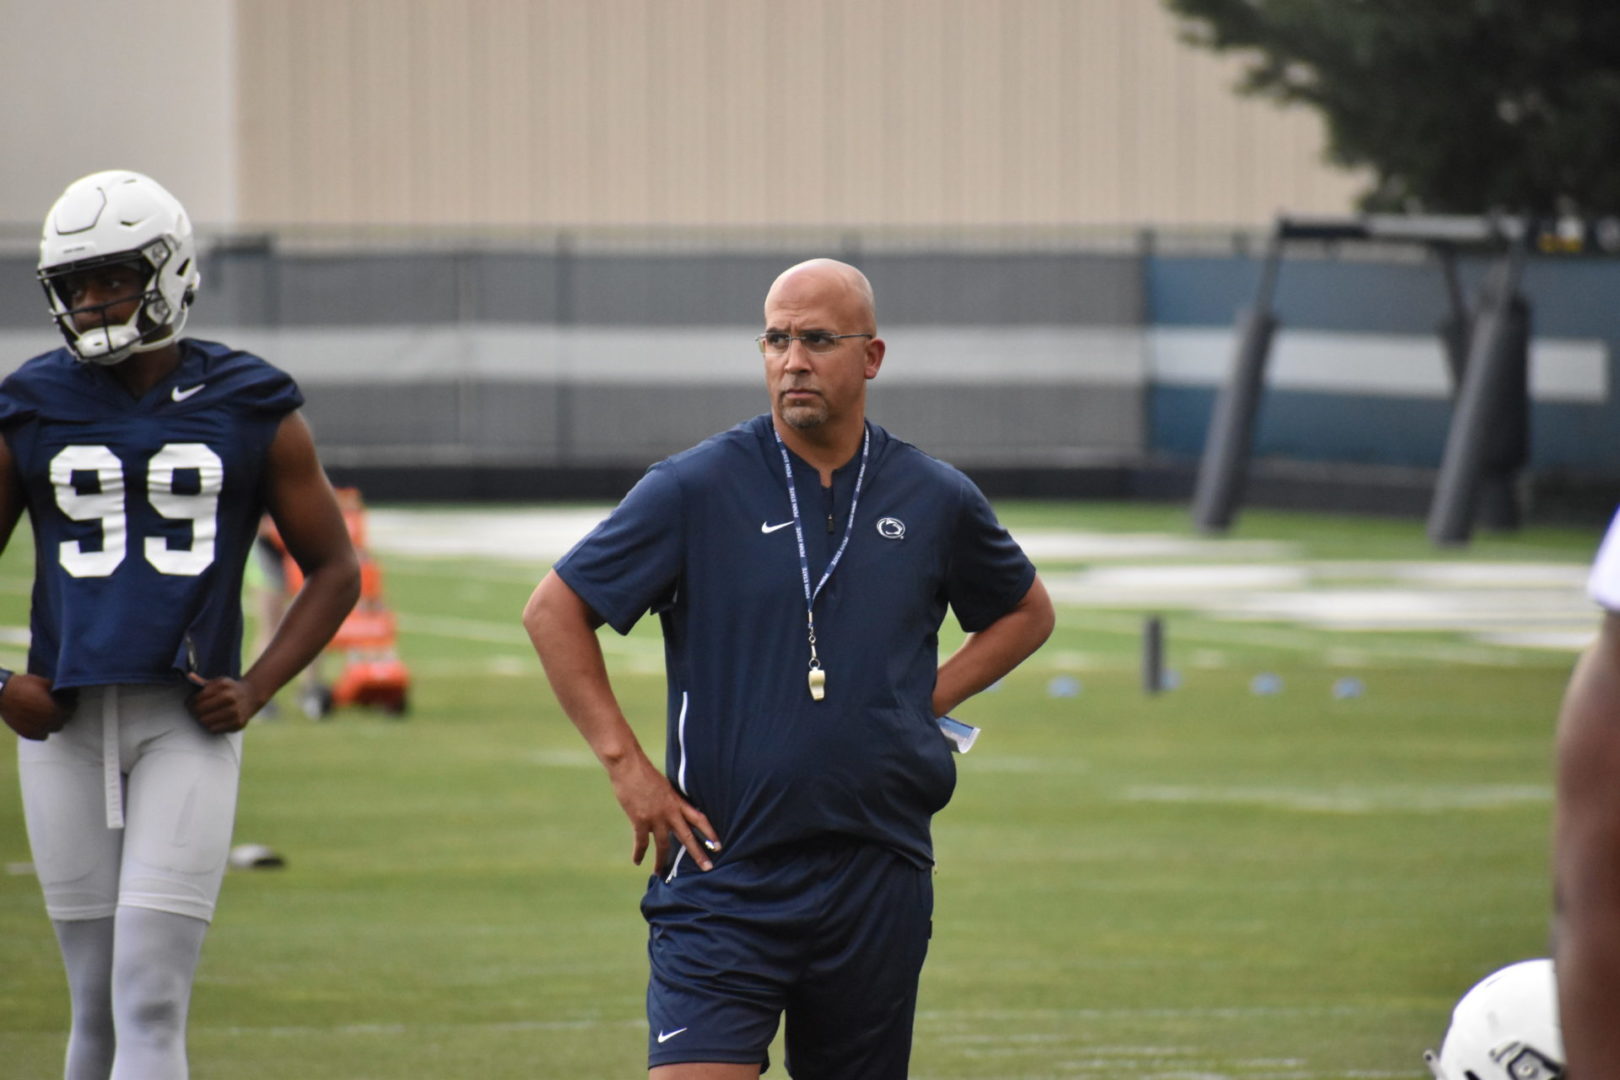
(1207, 883)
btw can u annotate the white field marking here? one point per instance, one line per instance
(1572, 639)
(1422, 609)
(1352, 800)
(1170, 580)
(521, 535)
(512, 665)
(1467, 575)
(1074, 545)
(1074, 660)
(1489, 602)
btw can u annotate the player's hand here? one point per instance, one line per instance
(223, 705)
(29, 709)
(657, 812)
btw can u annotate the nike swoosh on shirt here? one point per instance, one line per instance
(665, 1036)
(181, 395)
(765, 528)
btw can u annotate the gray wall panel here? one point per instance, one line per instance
(641, 424)
(423, 415)
(349, 290)
(513, 417)
(519, 288)
(614, 424)
(250, 285)
(1023, 423)
(672, 290)
(1000, 290)
(22, 302)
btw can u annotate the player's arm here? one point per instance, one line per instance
(994, 651)
(26, 703)
(563, 629)
(306, 513)
(1586, 859)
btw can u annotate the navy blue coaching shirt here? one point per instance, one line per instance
(143, 510)
(706, 540)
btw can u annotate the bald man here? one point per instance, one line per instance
(801, 564)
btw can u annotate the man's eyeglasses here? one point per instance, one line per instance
(776, 342)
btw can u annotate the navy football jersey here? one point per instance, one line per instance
(143, 510)
(706, 540)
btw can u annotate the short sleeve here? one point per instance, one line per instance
(19, 401)
(631, 561)
(1604, 584)
(276, 393)
(252, 384)
(989, 573)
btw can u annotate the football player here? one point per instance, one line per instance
(1586, 842)
(144, 461)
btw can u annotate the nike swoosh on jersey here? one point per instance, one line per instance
(665, 1036)
(181, 395)
(767, 528)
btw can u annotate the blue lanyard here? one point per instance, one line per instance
(818, 678)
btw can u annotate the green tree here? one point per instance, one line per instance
(1456, 106)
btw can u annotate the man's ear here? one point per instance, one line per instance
(874, 357)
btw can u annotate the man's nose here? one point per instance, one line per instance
(93, 294)
(92, 304)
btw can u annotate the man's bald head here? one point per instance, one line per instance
(827, 280)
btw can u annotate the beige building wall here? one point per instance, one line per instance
(756, 112)
(87, 85)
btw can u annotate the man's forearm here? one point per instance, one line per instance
(559, 625)
(994, 651)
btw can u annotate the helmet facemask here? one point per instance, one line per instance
(152, 324)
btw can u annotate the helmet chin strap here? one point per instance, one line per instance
(121, 340)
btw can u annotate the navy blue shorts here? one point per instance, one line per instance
(833, 936)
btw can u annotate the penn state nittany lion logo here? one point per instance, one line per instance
(891, 528)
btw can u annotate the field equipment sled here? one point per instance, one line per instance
(372, 672)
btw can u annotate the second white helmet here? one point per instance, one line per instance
(1505, 1028)
(118, 217)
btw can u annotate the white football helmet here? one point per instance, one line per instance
(1505, 1028)
(120, 217)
